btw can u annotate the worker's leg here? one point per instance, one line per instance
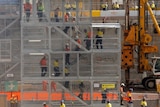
(100, 41)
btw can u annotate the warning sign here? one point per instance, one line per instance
(108, 86)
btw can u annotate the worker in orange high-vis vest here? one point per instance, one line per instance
(43, 64)
(44, 104)
(13, 101)
(53, 86)
(129, 97)
(66, 19)
(27, 9)
(44, 84)
(88, 38)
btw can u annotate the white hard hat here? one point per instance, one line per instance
(62, 101)
(67, 44)
(69, 13)
(122, 84)
(77, 37)
(130, 89)
(44, 103)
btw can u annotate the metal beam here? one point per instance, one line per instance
(72, 93)
(9, 70)
(64, 34)
(9, 25)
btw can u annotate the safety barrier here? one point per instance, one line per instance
(44, 95)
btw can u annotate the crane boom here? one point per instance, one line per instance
(156, 25)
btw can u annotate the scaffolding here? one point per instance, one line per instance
(98, 69)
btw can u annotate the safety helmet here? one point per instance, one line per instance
(62, 101)
(130, 89)
(44, 103)
(69, 13)
(77, 37)
(67, 44)
(108, 101)
(122, 84)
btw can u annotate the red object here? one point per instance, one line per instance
(27, 6)
(66, 17)
(67, 48)
(43, 62)
(44, 83)
(53, 85)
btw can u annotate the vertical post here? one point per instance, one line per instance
(49, 55)
(127, 15)
(127, 76)
(34, 9)
(78, 55)
(50, 91)
(47, 9)
(91, 92)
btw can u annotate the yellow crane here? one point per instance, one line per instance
(136, 38)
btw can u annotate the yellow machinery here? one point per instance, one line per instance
(136, 38)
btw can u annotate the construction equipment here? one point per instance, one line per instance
(137, 44)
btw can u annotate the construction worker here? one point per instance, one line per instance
(53, 86)
(129, 97)
(66, 71)
(108, 104)
(122, 93)
(88, 39)
(81, 88)
(56, 67)
(66, 19)
(104, 96)
(104, 6)
(44, 83)
(75, 28)
(116, 6)
(13, 101)
(44, 104)
(40, 9)
(62, 104)
(78, 40)
(73, 5)
(67, 6)
(67, 55)
(99, 37)
(27, 9)
(43, 64)
(144, 102)
(56, 11)
(153, 6)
